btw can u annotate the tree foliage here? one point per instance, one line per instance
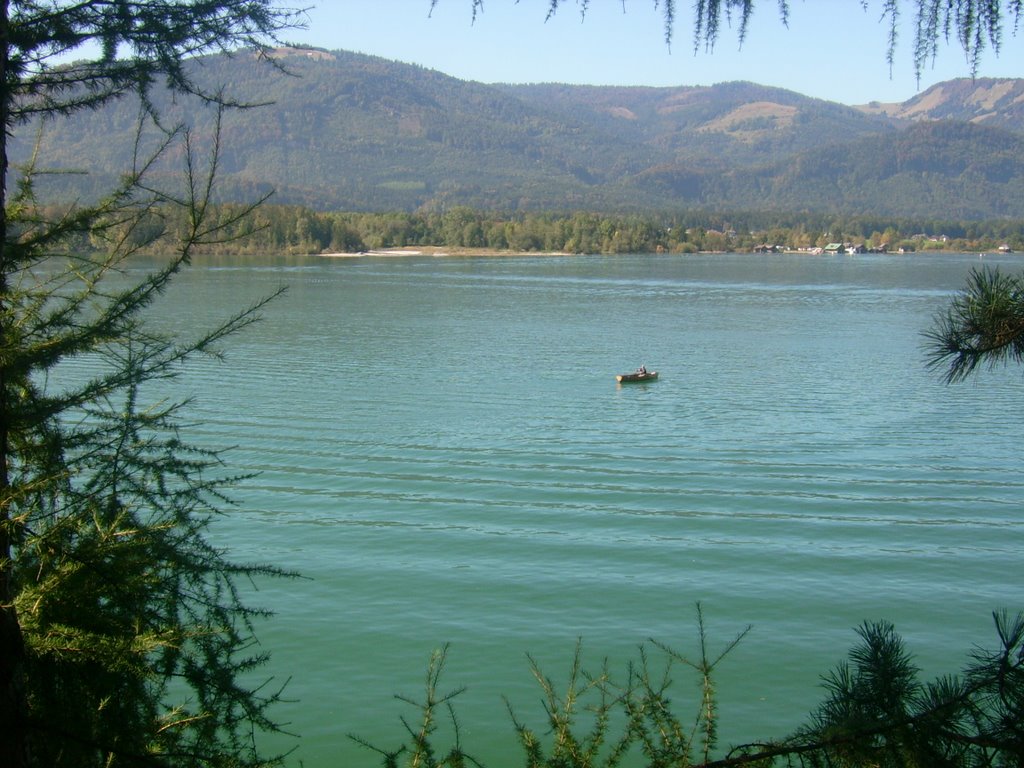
(984, 324)
(298, 230)
(974, 25)
(124, 638)
(877, 712)
(126, 46)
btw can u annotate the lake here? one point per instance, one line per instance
(444, 453)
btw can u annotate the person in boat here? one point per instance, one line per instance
(642, 370)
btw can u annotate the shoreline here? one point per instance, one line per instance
(457, 251)
(436, 250)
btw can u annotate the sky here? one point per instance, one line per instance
(831, 49)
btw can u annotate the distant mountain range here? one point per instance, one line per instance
(346, 131)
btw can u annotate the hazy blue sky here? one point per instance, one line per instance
(832, 49)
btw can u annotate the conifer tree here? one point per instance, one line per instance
(123, 637)
(983, 325)
(878, 713)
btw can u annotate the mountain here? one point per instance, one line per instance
(993, 102)
(348, 131)
(726, 125)
(937, 169)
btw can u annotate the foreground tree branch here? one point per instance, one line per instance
(109, 591)
(878, 713)
(974, 25)
(984, 325)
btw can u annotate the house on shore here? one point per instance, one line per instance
(849, 248)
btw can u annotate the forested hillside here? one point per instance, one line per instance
(942, 169)
(726, 126)
(343, 131)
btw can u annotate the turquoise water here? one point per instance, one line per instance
(445, 455)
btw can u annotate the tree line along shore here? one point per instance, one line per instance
(299, 230)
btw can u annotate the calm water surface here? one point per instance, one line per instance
(443, 451)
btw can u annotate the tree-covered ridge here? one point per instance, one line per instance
(937, 168)
(696, 124)
(343, 131)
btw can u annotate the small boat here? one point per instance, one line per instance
(641, 374)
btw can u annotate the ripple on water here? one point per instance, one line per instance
(441, 447)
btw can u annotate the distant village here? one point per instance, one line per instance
(834, 249)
